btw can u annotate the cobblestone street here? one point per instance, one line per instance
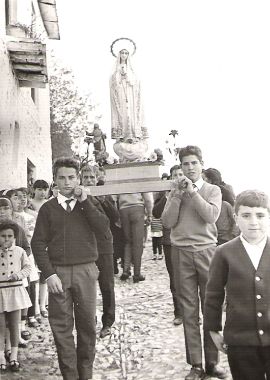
(144, 343)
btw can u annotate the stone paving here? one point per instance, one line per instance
(144, 343)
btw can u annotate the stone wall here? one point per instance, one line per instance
(24, 125)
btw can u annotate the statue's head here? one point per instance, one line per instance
(123, 55)
(123, 45)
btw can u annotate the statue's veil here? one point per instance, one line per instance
(131, 79)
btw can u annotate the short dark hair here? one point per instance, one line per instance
(100, 182)
(9, 224)
(164, 175)
(175, 167)
(214, 176)
(40, 184)
(89, 168)
(252, 198)
(23, 190)
(11, 192)
(66, 162)
(5, 201)
(190, 150)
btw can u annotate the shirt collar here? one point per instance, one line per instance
(199, 183)
(8, 249)
(62, 199)
(260, 245)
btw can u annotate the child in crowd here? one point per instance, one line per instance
(226, 226)
(242, 267)
(16, 217)
(53, 191)
(7, 213)
(23, 209)
(40, 195)
(13, 296)
(156, 233)
(30, 219)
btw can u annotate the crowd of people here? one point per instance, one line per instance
(57, 241)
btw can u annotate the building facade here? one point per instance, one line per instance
(25, 142)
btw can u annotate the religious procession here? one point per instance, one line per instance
(118, 265)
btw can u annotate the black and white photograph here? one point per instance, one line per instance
(134, 190)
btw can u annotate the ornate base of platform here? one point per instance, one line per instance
(131, 152)
(135, 177)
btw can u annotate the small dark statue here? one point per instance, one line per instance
(97, 137)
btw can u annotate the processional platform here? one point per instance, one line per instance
(135, 177)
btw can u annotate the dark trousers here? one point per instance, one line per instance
(132, 220)
(106, 284)
(249, 362)
(169, 266)
(77, 301)
(191, 274)
(118, 246)
(157, 245)
(32, 294)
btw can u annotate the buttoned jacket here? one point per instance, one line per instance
(247, 291)
(13, 260)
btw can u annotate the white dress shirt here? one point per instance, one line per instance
(62, 201)
(198, 184)
(254, 251)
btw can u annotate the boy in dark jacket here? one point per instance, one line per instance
(104, 263)
(65, 249)
(160, 202)
(242, 267)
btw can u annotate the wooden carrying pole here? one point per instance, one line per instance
(129, 188)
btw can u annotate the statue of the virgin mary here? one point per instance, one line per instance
(127, 117)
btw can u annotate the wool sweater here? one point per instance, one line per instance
(192, 217)
(137, 199)
(247, 292)
(130, 200)
(62, 238)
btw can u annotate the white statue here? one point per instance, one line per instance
(128, 126)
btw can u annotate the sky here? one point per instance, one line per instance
(204, 68)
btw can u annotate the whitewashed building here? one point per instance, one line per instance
(25, 143)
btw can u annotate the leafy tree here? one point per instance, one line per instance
(61, 141)
(70, 110)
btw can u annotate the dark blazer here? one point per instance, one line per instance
(248, 295)
(106, 206)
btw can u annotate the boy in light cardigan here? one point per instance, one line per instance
(242, 267)
(191, 210)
